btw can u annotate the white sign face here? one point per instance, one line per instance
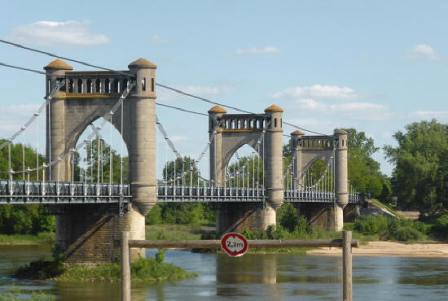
(234, 244)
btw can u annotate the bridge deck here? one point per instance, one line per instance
(23, 192)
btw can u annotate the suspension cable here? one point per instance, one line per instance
(167, 139)
(22, 68)
(106, 116)
(181, 109)
(56, 88)
(61, 57)
(203, 99)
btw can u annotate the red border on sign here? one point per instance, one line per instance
(231, 253)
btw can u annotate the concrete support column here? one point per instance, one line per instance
(341, 178)
(296, 152)
(56, 136)
(56, 140)
(217, 168)
(273, 166)
(140, 132)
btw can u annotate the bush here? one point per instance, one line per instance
(389, 228)
(154, 216)
(25, 219)
(440, 228)
(371, 224)
(186, 214)
(406, 233)
(287, 216)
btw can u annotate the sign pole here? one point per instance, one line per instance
(125, 268)
(347, 266)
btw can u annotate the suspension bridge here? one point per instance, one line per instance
(92, 205)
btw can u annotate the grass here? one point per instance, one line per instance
(16, 293)
(143, 270)
(27, 239)
(173, 232)
(378, 204)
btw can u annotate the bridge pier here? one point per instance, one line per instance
(91, 233)
(306, 150)
(235, 217)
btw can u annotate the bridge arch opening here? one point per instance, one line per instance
(104, 156)
(245, 168)
(315, 171)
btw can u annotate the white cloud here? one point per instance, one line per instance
(258, 50)
(318, 92)
(318, 100)
(425, 51)
(54, 32)
(347, 107)
(431, 114)
(158, 40)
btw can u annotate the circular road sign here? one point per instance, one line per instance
(234, 244)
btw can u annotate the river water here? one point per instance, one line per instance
(254, 277)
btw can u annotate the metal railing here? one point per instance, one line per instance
(209, 194)
(27, 192)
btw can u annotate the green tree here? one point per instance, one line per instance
(22, 219)
(182, 172)
(363, 171)
(100, 157)
(247, 171)
(419, 179)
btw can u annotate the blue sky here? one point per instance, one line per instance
(372, 65)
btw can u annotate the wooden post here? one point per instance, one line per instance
(125, 268)
(347, 266)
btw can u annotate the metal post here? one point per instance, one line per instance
(347, 266)
(125, 268)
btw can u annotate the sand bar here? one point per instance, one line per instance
(389, 248)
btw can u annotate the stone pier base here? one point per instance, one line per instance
(92, 233)
(239, 217)
(326, 216)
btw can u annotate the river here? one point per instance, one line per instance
(253, 277)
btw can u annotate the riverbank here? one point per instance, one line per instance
(27, 239)
(390, 248)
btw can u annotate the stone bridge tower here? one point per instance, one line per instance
(306, 151)
(90, 232)
(232, 131)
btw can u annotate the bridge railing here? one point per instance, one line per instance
(32, 191)
(209, 194)
(311, 196)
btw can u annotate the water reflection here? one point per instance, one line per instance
(253, 269)
(253, 277)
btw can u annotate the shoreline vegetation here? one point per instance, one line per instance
(143, 270)
(43, 238)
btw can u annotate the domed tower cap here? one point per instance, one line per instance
(142, 64)
(340, 132)
(58, 64)
(217, 110)
(273, 109)
(297, 133)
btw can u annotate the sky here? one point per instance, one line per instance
(372, 65)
